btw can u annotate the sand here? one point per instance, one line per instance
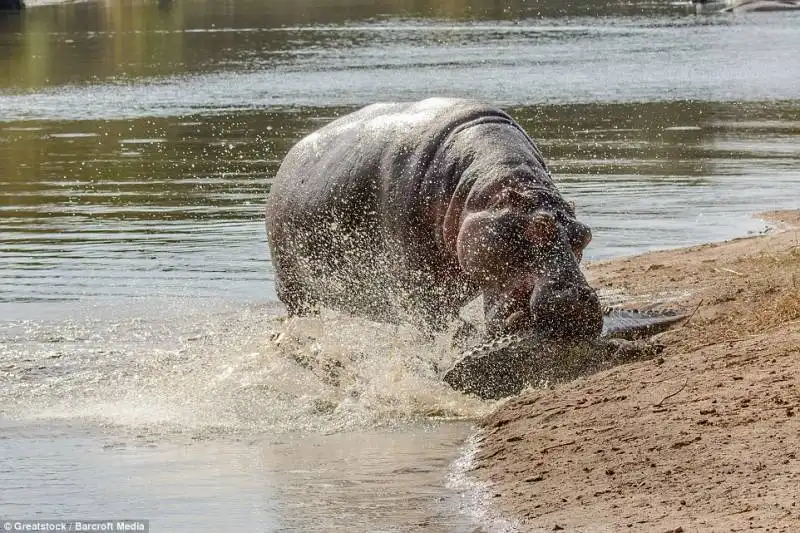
(703, 438)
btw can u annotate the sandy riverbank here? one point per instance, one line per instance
(703, 439)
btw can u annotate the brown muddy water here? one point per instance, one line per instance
(138, 375)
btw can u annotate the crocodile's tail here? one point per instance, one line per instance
(638, 323)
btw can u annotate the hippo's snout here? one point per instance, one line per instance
(566, 309)
(553, 308)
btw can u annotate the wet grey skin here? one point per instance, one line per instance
(505, 365)
(406, 212)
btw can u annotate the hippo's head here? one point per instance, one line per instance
(523, 249)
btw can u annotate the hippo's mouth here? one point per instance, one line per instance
(551, 309)
(507, 309)
(566, 310)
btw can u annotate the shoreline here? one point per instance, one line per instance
(701, 438)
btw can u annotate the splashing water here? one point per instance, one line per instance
(240, 369)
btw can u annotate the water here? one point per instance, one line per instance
(365, 481)
(139, 373)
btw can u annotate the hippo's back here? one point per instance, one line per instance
(379, 145)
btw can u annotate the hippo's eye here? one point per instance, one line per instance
(543, 229)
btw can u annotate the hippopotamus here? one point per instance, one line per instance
(408, 211)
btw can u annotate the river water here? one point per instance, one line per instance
(139, 375)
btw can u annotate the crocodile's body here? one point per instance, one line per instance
(505, 365)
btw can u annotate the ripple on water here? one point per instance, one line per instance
(73, 135)
(143, 141)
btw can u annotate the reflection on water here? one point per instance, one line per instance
(116, 59)
(138, 138)
(87, 41)
(127, 208)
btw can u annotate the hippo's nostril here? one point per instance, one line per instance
(568, 291)
(557, 286)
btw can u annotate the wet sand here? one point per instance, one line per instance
(703, 438)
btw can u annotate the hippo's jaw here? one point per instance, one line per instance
(566, 309)
(507, 308)
(553, 308)
(562, 304)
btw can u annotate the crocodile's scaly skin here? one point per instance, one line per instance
(503, 366)
(638, 323)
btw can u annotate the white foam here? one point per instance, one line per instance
(476, 495)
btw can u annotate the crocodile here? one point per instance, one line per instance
(504, 365)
